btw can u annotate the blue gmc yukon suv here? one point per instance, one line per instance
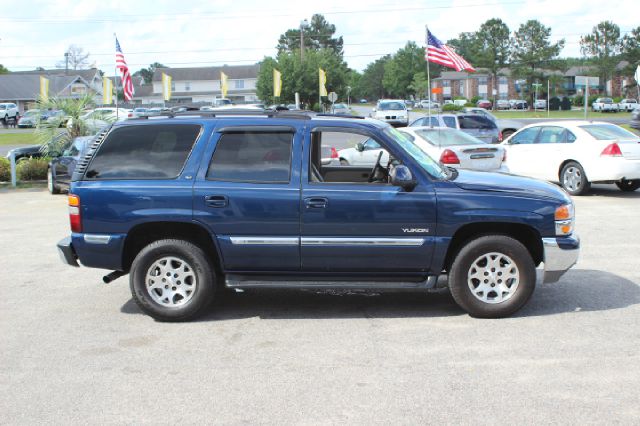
(192, 203)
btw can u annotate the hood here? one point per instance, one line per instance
(502, 182)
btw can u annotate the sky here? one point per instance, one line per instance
(216, 32)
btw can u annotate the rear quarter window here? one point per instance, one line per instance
(476, 122)
(144, 152)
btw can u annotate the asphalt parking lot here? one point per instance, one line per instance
(74, 350)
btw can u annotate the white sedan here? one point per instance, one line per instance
(576, 154)
(363, 154)
(456, 148)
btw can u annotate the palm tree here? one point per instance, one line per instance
(59, 131)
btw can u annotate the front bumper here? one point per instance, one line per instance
(560, 254)
(67, 253)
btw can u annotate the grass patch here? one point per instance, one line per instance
(18, 139)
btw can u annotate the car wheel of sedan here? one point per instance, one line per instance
(492, 276)
(51, 185)
(628, 185)
(172, 280)
(344, 162)
(573, 179)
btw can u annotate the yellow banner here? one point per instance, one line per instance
(166, 87)
(277, 83)
(223, 84)
(107, 91)
(322, 77)
(44, 88)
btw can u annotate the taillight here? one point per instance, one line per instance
(75, 218)
(612, 150)
(449, 157)
(499, 136)
(334, 153)
(130, 115)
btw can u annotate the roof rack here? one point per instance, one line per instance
(302, 114)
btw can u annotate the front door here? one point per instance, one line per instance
(248, 194)
(351, 225)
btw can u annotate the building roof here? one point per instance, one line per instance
(208, 73)
(26, 87)
(87, 74)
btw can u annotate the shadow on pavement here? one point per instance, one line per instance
(578, 291)
(610, 191)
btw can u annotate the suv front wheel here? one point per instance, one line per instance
(172, 280)
(492, 276)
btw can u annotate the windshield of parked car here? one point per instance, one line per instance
(392, 106)
(604, 132)
(427, 163)
(447, 137)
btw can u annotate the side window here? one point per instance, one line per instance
(476, 122)
(449, 122)
(343, 157)
(570, 137)
(144, 152)
(526, 136)
(551, 135)
(260, 157)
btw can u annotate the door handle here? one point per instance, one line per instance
(316, 203)
(216, 200)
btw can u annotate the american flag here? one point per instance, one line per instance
(442, 54)
(121, 64)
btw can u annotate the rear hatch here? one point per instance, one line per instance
(480, 127)
(476, 157)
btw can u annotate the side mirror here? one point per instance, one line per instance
(359, 147)
(401, 176)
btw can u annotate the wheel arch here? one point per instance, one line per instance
(527, 235)
(144, 234)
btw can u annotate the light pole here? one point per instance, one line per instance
(348, 97)
(303, 25)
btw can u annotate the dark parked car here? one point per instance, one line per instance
(188, 206)
(61, 168)
(32, 151)
(520, 104)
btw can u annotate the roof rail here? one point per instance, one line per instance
(297, 114)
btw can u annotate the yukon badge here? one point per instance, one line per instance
(415, 230)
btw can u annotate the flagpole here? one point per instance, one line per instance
(426, 27)
(115, 78)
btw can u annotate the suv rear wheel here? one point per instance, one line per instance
(172, 280)
(492, 276)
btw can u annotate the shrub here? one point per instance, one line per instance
(451, 107)
(617, 99)
(5, 170)
(554, 104)
(578, 100)
(475, 99)
(566, 104)
(33, 169)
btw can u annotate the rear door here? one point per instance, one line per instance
(247, 192)
(480, 127)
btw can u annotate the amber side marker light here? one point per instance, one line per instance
(564, 212)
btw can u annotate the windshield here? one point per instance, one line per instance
(427, 163)
(31, 113)
(391, 106)
(447, 137)
(605, 132)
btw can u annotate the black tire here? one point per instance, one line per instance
(628, 185)
(573, 179)
(344, 162)
(467, 258)
(51, 184)
(197, 262)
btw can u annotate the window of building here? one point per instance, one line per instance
(173, 86)
(446, 83)
(259, 157)
(503, 80)
(461, 87)
(239, 84)
(187, 86)
(144, 152)
(482, 81)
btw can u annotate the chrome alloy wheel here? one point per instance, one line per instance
(572, 178)
(493, 278)
(171, 281)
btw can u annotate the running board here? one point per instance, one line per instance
(246, 282)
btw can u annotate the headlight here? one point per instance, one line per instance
(565, 219)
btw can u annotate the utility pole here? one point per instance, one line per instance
(66, 62)
(303, 25)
